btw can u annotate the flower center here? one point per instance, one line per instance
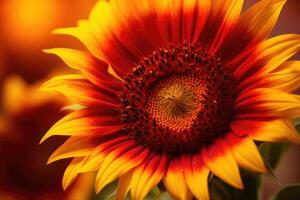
(175, 101)
(178, 99)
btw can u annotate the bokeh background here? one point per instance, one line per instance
(26, 113)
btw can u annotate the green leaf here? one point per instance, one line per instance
(155, 192)
(108, 192)
(291, 192)
(161, 196)
(272, 152)
(223, 191)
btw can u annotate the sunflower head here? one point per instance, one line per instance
(174, 90)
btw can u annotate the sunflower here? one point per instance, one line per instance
(172, 91)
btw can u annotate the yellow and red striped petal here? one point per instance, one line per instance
(232, 9)
(85, 123)
(118, 163)
(147, 175)
(267, 102)
(221, 162)
(92, 68)
(222, 17)
(175, 182)
(254, 25)
(79, 90)
(269, 55)
(94, 160)
(196, 175)
(285, 78)
(114, 38)
(268, 131)
(246, 152)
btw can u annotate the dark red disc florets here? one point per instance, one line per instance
(178, 99)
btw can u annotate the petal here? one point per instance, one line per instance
(95, 70)
(196, 176)
(231, 16)
(85, 34)
(279, 130)
(268, 56)
(122, 39)
(221, 19)
(85, 123)
(201, 15)
(246, 153)
(285, 78)
(118, 162)
(267, 102)
(253, 27)
(79, 90)
(73, 147)
(71, 172)
(147, 175)
(221, 162)
(175, 182)
(94, 160)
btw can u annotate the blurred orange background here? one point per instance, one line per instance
(26, 113)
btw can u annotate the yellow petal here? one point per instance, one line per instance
(94, 160)
(221, 162)
(79, 90)
(261, 18)
(84, 32)
(196, 176)
(278, 49)
(118, 163)
(73, 147)
(246, 153)
(277, 131)
(175, 182)
(268, 102)
(147, 176)
(71, 172)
